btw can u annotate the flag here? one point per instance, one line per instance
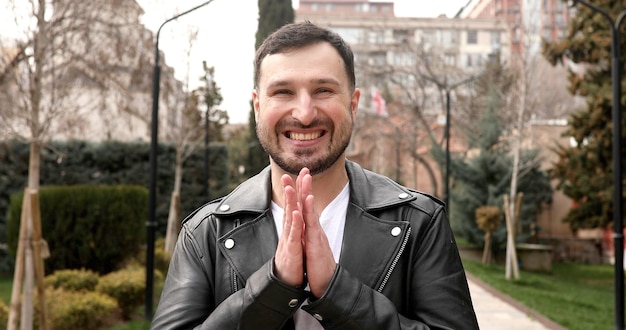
(378, 103)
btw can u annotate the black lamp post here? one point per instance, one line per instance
(448, 87)
(154, 137)
(618, 235)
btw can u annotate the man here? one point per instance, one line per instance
(314, 241)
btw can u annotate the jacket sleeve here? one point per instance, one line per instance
(438, 296)
(187, 299)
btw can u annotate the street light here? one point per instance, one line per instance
(154, 137)
(448, 87)
(618, 235)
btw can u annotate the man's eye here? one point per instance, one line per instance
(282, 92)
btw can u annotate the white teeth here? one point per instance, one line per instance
(304, 136)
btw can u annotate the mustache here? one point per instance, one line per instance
(294, 123)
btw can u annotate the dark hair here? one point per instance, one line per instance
(297, 35)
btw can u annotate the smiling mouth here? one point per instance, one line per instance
(304, 136)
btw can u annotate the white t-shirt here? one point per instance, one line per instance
(333, 220)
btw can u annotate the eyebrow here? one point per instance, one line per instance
(320, 81)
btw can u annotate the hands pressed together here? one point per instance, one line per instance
(303, 246)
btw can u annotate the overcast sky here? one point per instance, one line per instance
(226, 36)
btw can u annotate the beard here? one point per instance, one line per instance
(315, 159)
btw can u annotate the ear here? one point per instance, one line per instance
(255, 104)
(354, 102)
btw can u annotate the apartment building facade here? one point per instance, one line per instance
(97, 83)
(530, 20)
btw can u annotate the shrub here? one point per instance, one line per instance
(95, 227)
(73, 279)
(78, 310)
(127, 287)
(4, 315)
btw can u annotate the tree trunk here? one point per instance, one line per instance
(173, 223)
(512, 268)
(173, 219)
(487, 249)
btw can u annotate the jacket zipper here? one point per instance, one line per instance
(395, 260)
(234, 277)
(233, 274)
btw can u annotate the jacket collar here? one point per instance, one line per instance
(368, 190)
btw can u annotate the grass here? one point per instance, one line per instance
(576, 296)
(6, 284)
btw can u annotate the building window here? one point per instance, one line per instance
(403, 58)
(315, 7)
(472, 37)
(447, 38)
(495, 40)
(450, 59)
(378, 59)
(329, 7)
(351, 35)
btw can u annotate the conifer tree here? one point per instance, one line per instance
(272, 15)
(584, 171)
(483, 179)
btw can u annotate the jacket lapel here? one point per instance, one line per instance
(250, 246)
(370, 246)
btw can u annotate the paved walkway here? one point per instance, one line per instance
(496, 311)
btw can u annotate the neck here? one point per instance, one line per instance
(326, 185)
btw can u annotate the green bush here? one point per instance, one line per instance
(4, 315)
(95, 227)
(78, 310)
(73, 280)
(127, 287)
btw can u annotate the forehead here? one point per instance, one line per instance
(318, 59)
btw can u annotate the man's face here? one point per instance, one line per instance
(304, 108)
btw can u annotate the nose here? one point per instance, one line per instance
(304, 110)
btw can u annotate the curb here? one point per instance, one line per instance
(517, 305)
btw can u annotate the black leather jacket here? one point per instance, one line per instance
(399, 266)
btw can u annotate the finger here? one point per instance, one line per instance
(299, 184)
(311, 219)
(289, 196)
(289, 260)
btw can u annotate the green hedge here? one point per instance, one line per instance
(112, 163)
(95, 227)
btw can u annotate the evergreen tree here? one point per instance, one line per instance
(212, 98)
(485, 178)
(584, 171)
(272, 15)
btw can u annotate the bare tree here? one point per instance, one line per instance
(75, 68)
(535, 94)
(186, 134)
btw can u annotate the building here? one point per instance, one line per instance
(530, 20)
(96, 78)
(407, 62)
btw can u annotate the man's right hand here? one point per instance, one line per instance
(289, 258)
